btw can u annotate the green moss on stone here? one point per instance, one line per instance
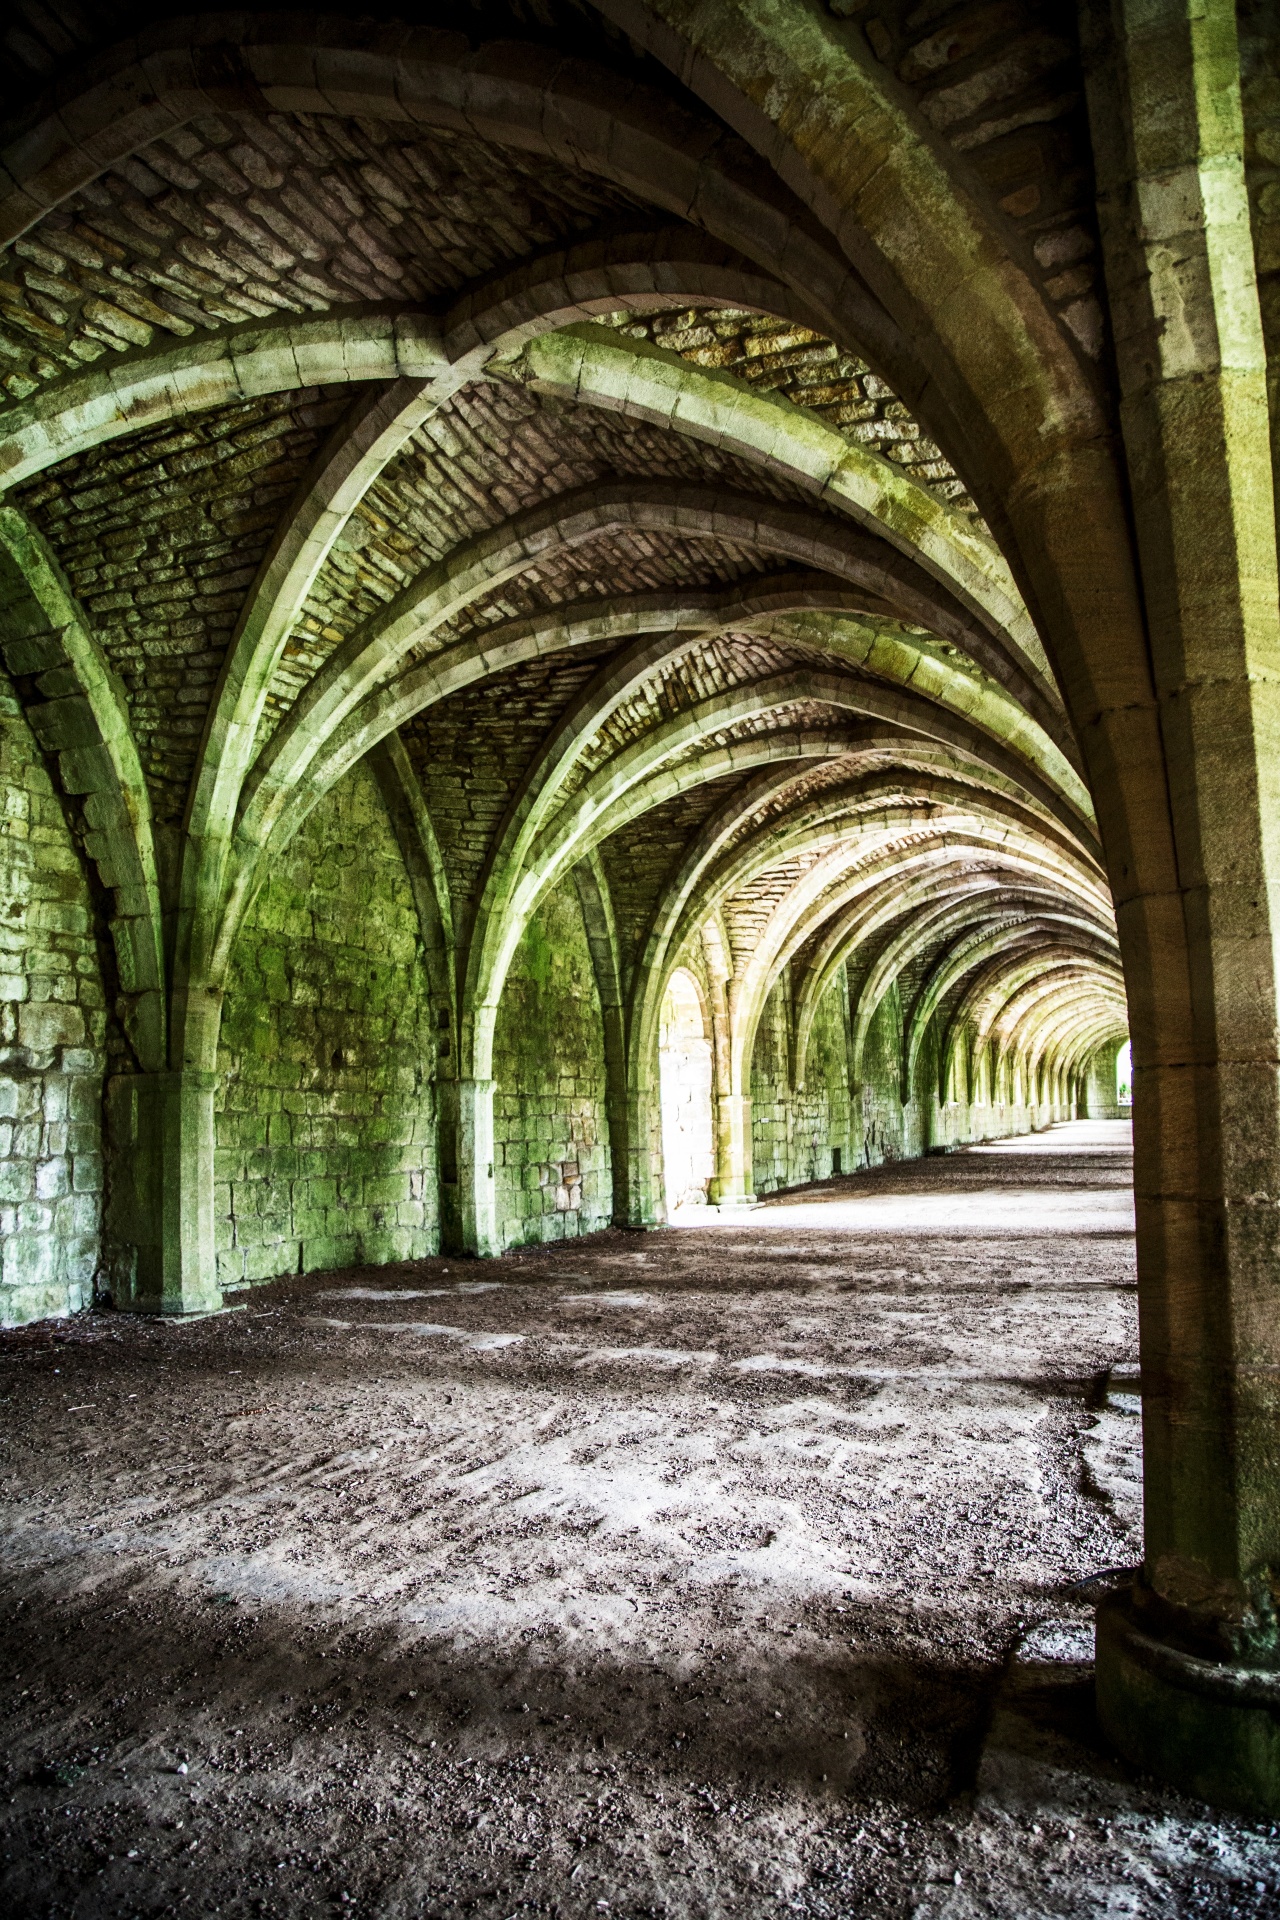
(326, 1121)
(52, 1044)
(551, 1136)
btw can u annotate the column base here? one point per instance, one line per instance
(1206, 1728)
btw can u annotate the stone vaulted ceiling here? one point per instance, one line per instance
(480, 407)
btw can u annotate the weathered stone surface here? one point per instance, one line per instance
(776, 356)
(1002, 85)
(551, 1130)
(326, 1125)
(930, 757)
(52, 1044)
(805, 1134)
(161, 538)
(493, 452)
(242, 216)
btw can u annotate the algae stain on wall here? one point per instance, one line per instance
(883, 1119)
(796, 1132)
(52, 1044)
(551, 1138)
(326, 1129)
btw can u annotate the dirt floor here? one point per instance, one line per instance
(732, 1569)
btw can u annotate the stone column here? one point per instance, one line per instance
(618, 1111)
(1189, 1662)
(642, 1184)
(477, 1206)
(160, 1201)
(733, 1151)
(451, 1240)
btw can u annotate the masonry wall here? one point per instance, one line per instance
(326, 1129)
(794, 1132)
(795, 1135)
(52, 1044)
(770, 1097)
(552, 1167)
(886, 1126)
(823, 1107)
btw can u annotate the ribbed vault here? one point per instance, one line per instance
(451, 423)
(507, 505)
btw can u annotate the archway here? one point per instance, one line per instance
(684, 1079)
(1124, 1076)
(666, 581)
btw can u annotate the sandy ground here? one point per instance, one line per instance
(727, 1570)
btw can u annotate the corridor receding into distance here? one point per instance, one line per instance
(639, 1017)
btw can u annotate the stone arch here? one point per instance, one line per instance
(1130, 495)
(78, 712)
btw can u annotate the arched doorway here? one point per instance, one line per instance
(684, 1078)
(1124, 1076)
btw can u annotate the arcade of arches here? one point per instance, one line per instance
(620, 602)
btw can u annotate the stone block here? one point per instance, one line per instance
(20, 1306)
(80, 1257)
(33, 653)
(272, 1198)
(388, 1190)
(326, 1252)
(28, 1260)
(53, 1178)
(58, 917)
(80, 1213)
(380, 1246)
(270, 1261)
(17, 1180)
(43, 1029)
